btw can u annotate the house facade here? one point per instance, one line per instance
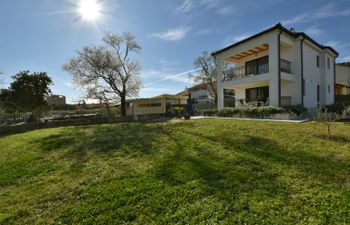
(277, 67)
(343, 80)
(200, 93)
(157, 105)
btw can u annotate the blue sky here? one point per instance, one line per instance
(41, 35)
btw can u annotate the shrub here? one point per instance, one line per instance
(336, 108)
(343, 100)
(179, 110)
(253, 112)
(212, 112)
(297, 109)
(225, 113)
(327, 118)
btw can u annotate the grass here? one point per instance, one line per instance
(191, 172)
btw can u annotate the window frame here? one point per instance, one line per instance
(328, 62)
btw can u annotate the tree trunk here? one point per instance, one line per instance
(122, 105)
(108, 110)
(329, 131)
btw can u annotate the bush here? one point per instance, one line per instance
(212, 112)
(225, 113)
(342, 100)
(261, 112)
(253, 112)
(326, 117)
(336, 108)
(179, 110)
(297, 109)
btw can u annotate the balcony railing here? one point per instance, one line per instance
(285, 66)
(239, 72)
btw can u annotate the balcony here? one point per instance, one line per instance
(254, 68)
(285, 66)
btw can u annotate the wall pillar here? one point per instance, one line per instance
(219, 85)
(274, 78)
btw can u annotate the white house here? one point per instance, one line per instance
(200, 93)
(277, 67)
(157, 105)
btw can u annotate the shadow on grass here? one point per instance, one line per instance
(128, 138)
(266, 150)
(248, 173)
(335, 138)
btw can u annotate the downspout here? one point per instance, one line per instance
(302, 71)
(334, 81)
(279, 68)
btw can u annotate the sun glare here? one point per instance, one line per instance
(89, 10)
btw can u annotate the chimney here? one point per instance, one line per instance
(292, 29)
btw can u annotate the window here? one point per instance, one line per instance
(229, 98)
(156, 104)
(328, 63)
(148, 105)
(250, 67)
(260, 94)
(318, 61)
(329, 88)
(257, 66)
(144, 105)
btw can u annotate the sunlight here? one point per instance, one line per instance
(89, 10)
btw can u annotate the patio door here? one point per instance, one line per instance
(258, 95)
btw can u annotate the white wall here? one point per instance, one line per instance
(329, 80)
(137, 110)
(288, 88)
(312, 75)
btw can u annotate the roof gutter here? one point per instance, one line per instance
(279, 68)
(302, 71)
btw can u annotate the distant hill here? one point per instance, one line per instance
(344, 64)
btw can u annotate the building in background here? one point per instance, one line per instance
(278, 67)
(200, 93)
(202, 97)
(158, 105)
(56, 100)
(343, 80)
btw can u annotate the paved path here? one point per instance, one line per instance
(249, 119)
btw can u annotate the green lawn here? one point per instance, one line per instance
(191, 172)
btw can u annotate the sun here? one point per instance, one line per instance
(89, 10)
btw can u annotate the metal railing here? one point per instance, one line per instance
(285, 66)
(241, 103)
(286, 100)
(239, 72)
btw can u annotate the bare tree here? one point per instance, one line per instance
(208, 72)
(109, 66)
(104, 95)
(327, 118)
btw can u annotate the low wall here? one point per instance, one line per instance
(61, 123)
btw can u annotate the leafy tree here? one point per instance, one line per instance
(344, 64)
(108, 66)
(26, 92)
(208, 72)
